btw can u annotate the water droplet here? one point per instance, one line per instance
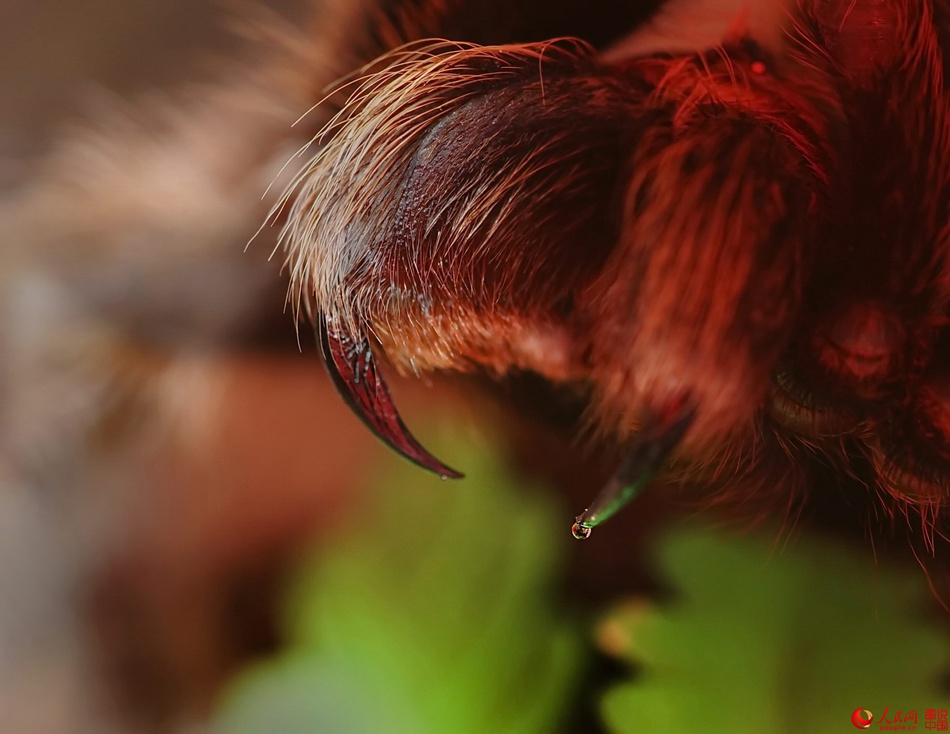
(580, 532)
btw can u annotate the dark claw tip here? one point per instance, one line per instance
(349, 360)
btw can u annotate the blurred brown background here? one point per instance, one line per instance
(118, 584)
(56, 56)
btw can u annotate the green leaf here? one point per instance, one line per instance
(763, 640)
(434, 613)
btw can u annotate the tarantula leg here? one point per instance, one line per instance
(660, 435)
(349, 360)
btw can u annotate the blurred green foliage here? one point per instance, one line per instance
(436, 612)
(433, 613)
(760, 640)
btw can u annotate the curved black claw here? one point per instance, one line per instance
(353, 371)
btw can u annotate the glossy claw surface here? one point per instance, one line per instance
(659, 438)
(349, 360)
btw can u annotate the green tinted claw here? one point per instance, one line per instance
(660, 436)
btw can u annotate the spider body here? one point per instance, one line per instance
(757, 230)
(728, 218)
